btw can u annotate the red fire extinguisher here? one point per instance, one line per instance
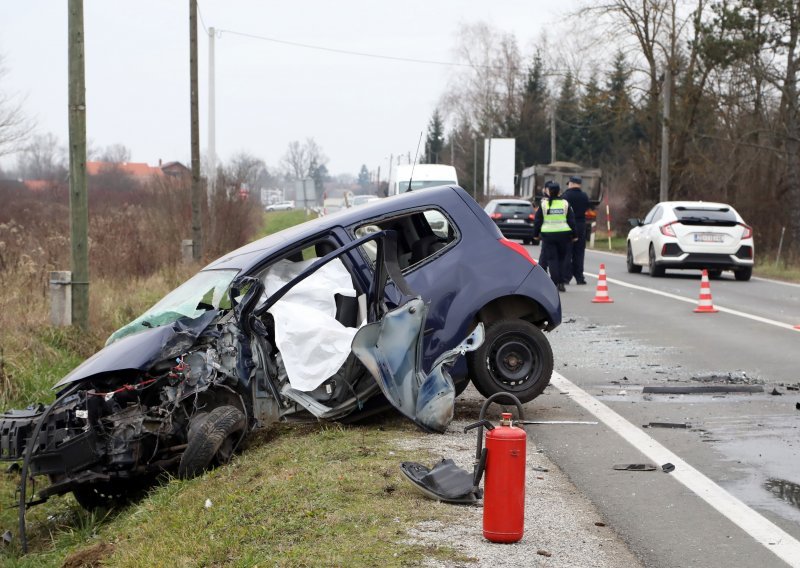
(503, 462)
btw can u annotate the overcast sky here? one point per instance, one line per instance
(359, 109)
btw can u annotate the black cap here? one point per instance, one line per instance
(575, 179)
(550, 184)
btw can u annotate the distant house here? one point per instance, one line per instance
(140, 171)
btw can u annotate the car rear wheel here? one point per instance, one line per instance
(654, 269)
(632, 268)
(212, 440)
(515, 357)
(743, 274)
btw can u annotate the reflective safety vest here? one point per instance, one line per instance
(555, 216)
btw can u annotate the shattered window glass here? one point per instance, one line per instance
(206, 290)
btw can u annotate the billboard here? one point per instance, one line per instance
(498, 166)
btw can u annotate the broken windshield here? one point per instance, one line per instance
(207, 290)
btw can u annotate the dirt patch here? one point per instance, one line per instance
(90, 557)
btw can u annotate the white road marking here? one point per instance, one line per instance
(765, 532)
(691, 301)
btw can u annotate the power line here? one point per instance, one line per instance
(358, 53)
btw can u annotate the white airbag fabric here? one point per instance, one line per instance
(313, 344)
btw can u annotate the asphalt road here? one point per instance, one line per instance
(734, 497)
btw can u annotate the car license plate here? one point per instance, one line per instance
(708, 238)
(515, 221)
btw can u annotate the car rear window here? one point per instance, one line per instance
(723, 216)
(514, 208)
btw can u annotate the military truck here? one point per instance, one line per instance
(533, 179)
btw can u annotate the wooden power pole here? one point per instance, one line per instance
(197, 189)
(78, 198)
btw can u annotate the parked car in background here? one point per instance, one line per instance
(331, 319)
(281, 206)
(691, 235)
(514, 218)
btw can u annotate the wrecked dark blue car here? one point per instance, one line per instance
(329, 319)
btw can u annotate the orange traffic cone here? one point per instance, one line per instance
(705, 306)
(601, 295)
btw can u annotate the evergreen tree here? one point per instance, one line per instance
(623, 131)
(363, 177)
(593, 121)
(568, 136)
(434, 142)
(533, 136)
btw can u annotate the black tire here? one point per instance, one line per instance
(212, 441)
(714, 274)
(515, 357)
(632, 268)
(743, 274)
(654, 269)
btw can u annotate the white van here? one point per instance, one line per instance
(425, 175)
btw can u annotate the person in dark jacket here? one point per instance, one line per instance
(579, 201)
(555, 221)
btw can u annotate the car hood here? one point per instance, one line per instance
(141, 351)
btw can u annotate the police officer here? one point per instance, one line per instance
(556, 223)
(579, 202)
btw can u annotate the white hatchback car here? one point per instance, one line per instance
(691, 234)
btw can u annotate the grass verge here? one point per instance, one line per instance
(301, 495)
(275, 221)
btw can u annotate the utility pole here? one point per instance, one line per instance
(197, 190)
(212, 131)
(552, 135)
(664, 188)
(78, 198)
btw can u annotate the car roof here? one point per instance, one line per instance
(695, 204)
(252, 254)
(510, 201)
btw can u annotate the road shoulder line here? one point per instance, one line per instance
(764, 531)
(691, 301)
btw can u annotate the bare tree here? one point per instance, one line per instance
(115, 154)
(42, 158)
(488, 92)
(302, 158)
(14, 125)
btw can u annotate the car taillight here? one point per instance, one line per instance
(667, 230)
(748, 231)
(519, 249)
(496, 215)
(531, 216)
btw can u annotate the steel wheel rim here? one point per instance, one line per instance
(513, 359)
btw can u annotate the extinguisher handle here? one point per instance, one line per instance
(485, 423)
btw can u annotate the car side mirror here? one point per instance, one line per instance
(635, 222)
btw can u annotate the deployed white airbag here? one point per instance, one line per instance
(313, 344)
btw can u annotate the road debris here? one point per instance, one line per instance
(674, 425)
(527, 422)
(634, 467)
(709, 389)
(541, 552)
(668, 467)
(776, 392)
